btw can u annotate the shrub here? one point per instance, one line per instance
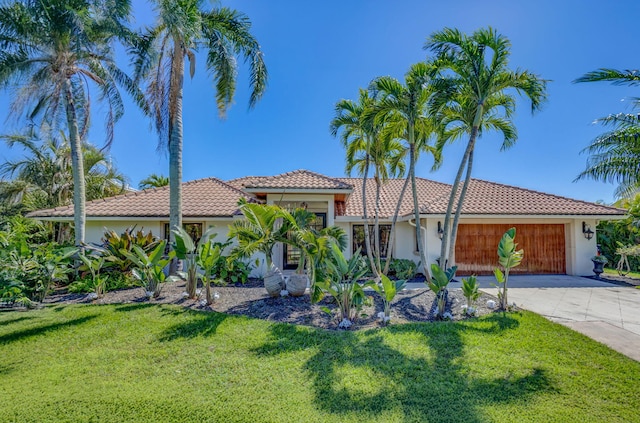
(339, 278)
(387, 290)
(470, 291)
(403, 268)
(438, 284)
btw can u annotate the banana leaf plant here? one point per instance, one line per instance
(149, 267)
(95, 264)
(508, 257)
(208, 259)
(186, 250)
(339, 278)
(438, 284)
(470, 291)
(387, 289)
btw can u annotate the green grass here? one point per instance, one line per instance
(149, 363)
(615, 272)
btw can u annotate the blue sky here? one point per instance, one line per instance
(320, 52)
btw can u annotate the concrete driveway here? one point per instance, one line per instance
(608, 313)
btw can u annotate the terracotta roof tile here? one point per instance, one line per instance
(209, 197)
(212, 197)
(482, 197)
(298, 179)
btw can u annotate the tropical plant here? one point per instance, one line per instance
(53, 266)
(339, 278)
(471, 293)
(43, 177)
(477, 66)
(209, 258)
(615, 155)
(260, 230)
(508, 257)
(403, 268)
(186, 249)
(153, 181)
(438, 284)
(387, 289)
(149, 267)
(407, 111)
(51, 51)
(94, 264)
(358, 136)
(159, 59)
(114, 246)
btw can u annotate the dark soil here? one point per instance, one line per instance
(251, 299)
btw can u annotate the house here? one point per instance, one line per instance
(553, 230)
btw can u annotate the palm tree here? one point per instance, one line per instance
(358, 135)
(387, 156)
(480, 103)
(153, 181)
(615, 155)
(52, 52)
(408, 112)
(43, 178)
(159, 58)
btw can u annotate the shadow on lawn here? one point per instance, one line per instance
(197, 323)
(435, 387)
(40, 330)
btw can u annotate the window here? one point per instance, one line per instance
(193, 229)
(359, 242)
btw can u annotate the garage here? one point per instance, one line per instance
(543, 244)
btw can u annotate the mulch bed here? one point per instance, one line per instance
(251, 299)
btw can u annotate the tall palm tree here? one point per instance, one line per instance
(478, 66)
(358, 135)
(408, 110)
(388, 159)
(53, 51)
(615, 155)
(182, 28)
(153, 181)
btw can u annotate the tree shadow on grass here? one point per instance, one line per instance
(435, 384)
(196, 324)
(43, 329)
(16, 320)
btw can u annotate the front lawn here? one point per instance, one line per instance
(151, 363)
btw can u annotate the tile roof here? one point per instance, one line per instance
(208, 197)
(483, 198)
(211, 197)
(298, 179)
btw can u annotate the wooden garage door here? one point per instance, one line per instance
(544, 248)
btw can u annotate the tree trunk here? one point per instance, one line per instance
(367, 238)
(456, 218)
(376, 230)
(446, 238)
(175, 144)
(392, 236)
(77, 167)
(416, 211)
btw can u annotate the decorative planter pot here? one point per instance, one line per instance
(598, 268)
(274, 282)
(297, 284)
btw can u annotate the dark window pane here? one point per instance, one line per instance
(359, 240)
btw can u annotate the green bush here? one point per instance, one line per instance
(402, 268)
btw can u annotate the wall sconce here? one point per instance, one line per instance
(440, 231)
(586, 231)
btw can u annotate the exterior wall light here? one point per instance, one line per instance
(586, 231)
(440, 231)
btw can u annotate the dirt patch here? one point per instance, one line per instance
(251, 299)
